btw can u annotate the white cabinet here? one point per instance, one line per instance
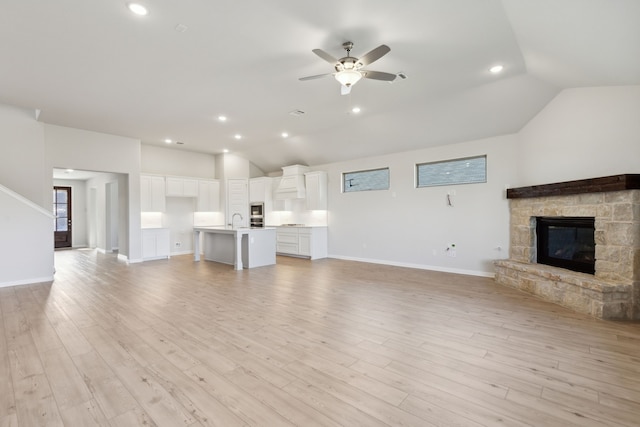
(208, 196)
(316, 184)
(260, 190)
(155, 243)
(278, 204)
(182, 187)
(238, 202)
(304, 242)
(152, 189)
(287, 241)
(308, 242)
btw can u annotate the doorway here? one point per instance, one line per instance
(62, 223)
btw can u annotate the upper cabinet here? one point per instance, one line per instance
(152, 193)
(208, 196)
(316, 185)
(182, 187)
(260, 190)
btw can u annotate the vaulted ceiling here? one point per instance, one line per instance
(168, 75)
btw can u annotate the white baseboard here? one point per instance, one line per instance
(182, 253)
(26, 281)
(417, 266)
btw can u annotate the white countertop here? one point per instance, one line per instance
(230, 230)
(297, 226)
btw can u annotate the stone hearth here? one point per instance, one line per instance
(613, 292)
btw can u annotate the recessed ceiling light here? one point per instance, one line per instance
(237, 136)
(285, 135)
(355, 110)
(225, 151)
(138, 9)
(168, 141)
(496, 69)
(222, 118)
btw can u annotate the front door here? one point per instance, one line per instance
(62, 211)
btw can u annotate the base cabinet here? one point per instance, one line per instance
(155, 243)
(308, 242)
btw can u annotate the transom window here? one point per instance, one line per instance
(368, 180)
(469, 170)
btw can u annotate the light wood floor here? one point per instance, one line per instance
(303, 343)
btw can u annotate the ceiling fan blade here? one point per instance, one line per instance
(345, 90)
(317, 76)
(378, 75)
(374, 55)
(324, 55)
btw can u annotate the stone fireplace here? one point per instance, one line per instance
(613, 291)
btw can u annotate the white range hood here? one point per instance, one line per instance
(292, 183)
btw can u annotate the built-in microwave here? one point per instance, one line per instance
(256, 215)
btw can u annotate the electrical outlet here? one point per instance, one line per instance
(178, 244)
(451, 250)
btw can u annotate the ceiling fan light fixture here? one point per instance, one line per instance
(348, 77)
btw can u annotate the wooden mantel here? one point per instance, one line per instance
(581, 186)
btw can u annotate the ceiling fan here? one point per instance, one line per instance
(349, 70)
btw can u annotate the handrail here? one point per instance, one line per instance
(26, 201)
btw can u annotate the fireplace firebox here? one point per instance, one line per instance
(566, 242)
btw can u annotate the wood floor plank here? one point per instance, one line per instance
(152, 396)
(294, 410)
(252, 410)
(336, 409)
(7, 399)
(66, 382)
(35, 404)
(84, 414)
(365, 402)
(207, 410)
(9, 421)
(599, 411)
(327, 342)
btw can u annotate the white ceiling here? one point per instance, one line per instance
(93, 65)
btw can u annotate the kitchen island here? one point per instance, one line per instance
(241, 247)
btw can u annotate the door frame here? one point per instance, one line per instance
(69, 241)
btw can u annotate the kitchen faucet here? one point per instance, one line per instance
(234, 217)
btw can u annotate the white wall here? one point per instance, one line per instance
(22, 163)
(26, 255)
(178, 218)
(93, 151)
(102, 185)
(233, 167)
(413, 227)
(165, 161)
(582, 133)
(79, 230)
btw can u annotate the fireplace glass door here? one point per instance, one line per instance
(566, 242)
